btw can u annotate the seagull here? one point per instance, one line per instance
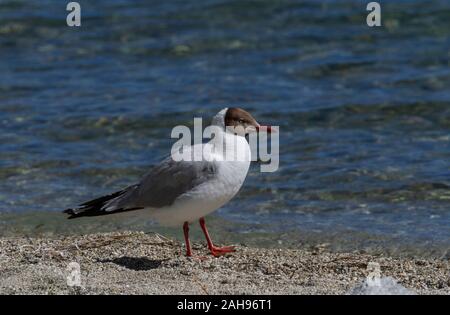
(177, 191)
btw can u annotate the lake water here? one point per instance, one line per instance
(364, 114)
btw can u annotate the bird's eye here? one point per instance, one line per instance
(241, 120)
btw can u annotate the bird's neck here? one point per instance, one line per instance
(230, 146)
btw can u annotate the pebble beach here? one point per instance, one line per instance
(149, 263)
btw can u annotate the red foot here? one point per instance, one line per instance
(218, 251)
(215, 251)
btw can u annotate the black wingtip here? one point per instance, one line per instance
(71, 213)
(95, 207)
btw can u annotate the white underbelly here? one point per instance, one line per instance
(204, 198)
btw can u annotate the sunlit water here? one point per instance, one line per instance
(364, 113)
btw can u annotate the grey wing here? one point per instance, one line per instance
(169, 180)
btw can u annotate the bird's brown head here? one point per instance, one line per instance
(241, 122)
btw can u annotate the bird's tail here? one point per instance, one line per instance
(108, 204)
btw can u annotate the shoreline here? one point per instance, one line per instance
(140, 263)
(37, 224)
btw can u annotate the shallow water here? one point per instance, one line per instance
(364, 113)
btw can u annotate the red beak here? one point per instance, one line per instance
(267, 129)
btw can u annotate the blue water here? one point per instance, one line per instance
(364, 113)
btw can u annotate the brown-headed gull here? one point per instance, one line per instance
(179, 191)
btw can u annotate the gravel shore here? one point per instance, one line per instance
(140, 263)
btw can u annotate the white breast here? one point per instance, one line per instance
(213, 194)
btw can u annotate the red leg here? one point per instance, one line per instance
(216, 251)
(186, 239)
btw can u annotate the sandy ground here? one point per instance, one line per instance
(139, 263)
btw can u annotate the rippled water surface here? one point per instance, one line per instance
(364, 113)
